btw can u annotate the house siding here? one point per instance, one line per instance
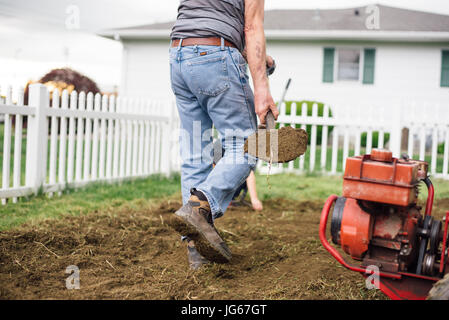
(146, 70)
(402, 72)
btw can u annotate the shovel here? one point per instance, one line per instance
(276, 146)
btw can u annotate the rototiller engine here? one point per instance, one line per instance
(378, 222)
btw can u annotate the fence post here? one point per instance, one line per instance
(396, 131)
(167, 131)
(174, 137)
(36, 155)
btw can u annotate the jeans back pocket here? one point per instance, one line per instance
(209, 74)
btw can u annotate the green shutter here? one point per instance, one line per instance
(328, 65)
(368, 66)
(445, 68)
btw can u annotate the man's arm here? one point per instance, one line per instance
(257, 58)
(269, 59)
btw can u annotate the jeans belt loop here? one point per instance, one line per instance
(222, 46)
(195, 48)
(179, 50)
(180, 44)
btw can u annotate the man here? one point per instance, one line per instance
(212, 40)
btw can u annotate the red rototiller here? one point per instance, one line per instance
(378, 222)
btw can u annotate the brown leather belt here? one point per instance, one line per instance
(201, 41)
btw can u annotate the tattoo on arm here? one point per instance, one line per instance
(258, 51)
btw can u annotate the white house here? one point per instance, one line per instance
(362, 55)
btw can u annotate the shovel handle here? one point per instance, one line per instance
(269, 120)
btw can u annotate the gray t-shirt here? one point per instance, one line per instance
(211, 18)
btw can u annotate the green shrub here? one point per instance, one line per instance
(299, 105)
(375, 140)
(441, 148)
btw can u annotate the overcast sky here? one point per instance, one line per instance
(36, 36)
(100, 14)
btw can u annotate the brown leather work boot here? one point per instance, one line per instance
(194, 220)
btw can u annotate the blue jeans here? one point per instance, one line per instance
(211, 88)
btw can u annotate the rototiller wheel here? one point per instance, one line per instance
(377, 221)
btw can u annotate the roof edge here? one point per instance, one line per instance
(405, 36)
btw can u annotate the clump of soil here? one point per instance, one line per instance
(133, 254)
(291, 143)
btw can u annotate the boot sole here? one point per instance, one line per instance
(216, 252)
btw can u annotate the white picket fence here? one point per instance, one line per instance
(76, 139)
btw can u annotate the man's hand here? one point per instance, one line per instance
(257, 204)
(263, 101)
(258, 59)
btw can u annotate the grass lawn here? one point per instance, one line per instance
(139, 193)
(351, 152)
(313, 186)
(98, 196)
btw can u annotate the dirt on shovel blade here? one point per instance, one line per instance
(291, 143)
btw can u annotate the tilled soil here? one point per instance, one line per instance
(132, 254)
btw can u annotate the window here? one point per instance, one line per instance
(348, 64)
(357, 65)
